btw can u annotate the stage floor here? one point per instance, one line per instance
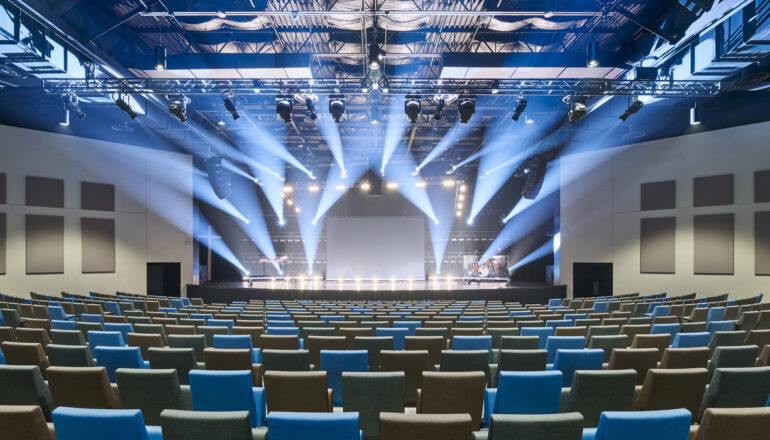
(366, 285)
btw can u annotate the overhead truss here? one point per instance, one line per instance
(397, 86)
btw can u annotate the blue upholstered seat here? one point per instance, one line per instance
(568, 361)
(411, 325)
(673, 424)
(57, 312)
(335, 362)
(113, 358)
(554, 343)
(316, 426)
(102, 424)
(554, 323)
(524, 392)
(659, 329)
(542, 332)
(58, 324)
(280, 323)
(398, 334)
(227, 391)
(105, 339)
(689, 340)
(238, 342)
(123, 328)
(92, 317)
(720, 326)
(229, 323)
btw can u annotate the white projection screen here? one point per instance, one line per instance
(370, 247)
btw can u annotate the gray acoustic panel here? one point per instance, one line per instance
(42, 191)
(45, 244)
(714, 244)
(98, 235)
(762, 186)
(658, 245)
(97, 196)
(762, 243)
(658, 195)
(713, 190)
(2, 243)
(2, 189)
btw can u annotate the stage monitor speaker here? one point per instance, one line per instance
(535, 174)
(375, 183)
(219, 177)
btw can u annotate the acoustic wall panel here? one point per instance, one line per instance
(658, 195)
(762, 186)
(657, 245)
(2, 243)
(97, 196)
(713, 190)
(2, 189)
(45, 244)
(98, 237)
(42, 191)
(762, 243)
(714, 244)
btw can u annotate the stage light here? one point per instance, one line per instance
(694, 115)
(340, 187)
(412, 107)
(374, 56)
(592, 55)
(521, 104)
(284, 106)
(577, 108)
(297, 210)
(72, 104)
(123, 106)
(178, 107)
(366, 186)
(421, 184)
(463, 187)
(467, 108)
(160, 58)
(459, 213)
(336, 107)
(289, 202)
(313, 188)
(287, 189)
(461, 197)
(230, 106)
(310, 109)
(448, 183)
(295, 15)
(439, 110)
(282, 222)
(392, 185)
(374, 116)
(460, 205)
(64, 117)
(634, 107)
(469, 221)
(221, 123)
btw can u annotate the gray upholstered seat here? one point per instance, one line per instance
(24, 385)
(196, 342)
(150, 391)
(568, 426)
(285, 360)
(726, 339)
(519, 343)
(206, 425)
(737, 388)
(180, 359)
(608, 343)
(69, 355)
(374, 345)
(369, 394)
(209, 331)
(603, 390)
(67, 337)
(742, 356)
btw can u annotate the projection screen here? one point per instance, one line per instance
(370, 247)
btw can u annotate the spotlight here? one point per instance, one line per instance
(412, 107)
(374, 56)
(634, 107)
(160, 58)
(284, 106)
(310, 109)
(178, 107)
(592, 55)
(72, 104)
(392, 185)
(314, 188)
(448, 183)
(366, 186)
(694, 115)
(230, 106)
(439, 110)
(123, 105)
(577, 108)
(421, 184)
(64, 117)
(295, 15)
(521, 104)
(467, 108)
(374, 116)
(336, 107)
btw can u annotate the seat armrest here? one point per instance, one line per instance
(419, 401)
(330, 393)
(261, 405)
(589, 433)
(186, 397)
(480, 435)
(154, 433)
(256, 372)
(490, 394)
(116, 396)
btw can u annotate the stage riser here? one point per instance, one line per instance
(524, 295)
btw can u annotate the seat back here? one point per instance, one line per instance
(205, 425)
(314, 345)
(742, 356)
(734, 423)
(528, 392)
(520, 343)
(670, 389)
(396, 426)
(113, 358)
(81, 387)
(464, 360)
(373, 345)
(593, 392)
(453, 393)
(33, 336)
(522, 360)
(412, 363)
(150, 391)
(224, 391)
(629, 425)
(67, 337)
(554, 343)
(305, 391)
(726, 339)
(335, 362)
(144, 341)
(180, 359)
(69, 355)
(279, 342)
(369, 394)
(23, 422)
(536, 426)
(285, 360)
(196, 342)
(105, 339)
(696, 357)
(639, 359)
(737, 388)
(324, 426)
(569, 361)
(24, 385)
(99, 424)
(433, 344)
(25, 353)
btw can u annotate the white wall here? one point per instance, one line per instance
(600, 208)
(153, 209)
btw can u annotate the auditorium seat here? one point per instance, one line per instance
(144, 341)
(607, 343)
(82, 387)
(12, 318)
(472, 343)
(33, 336)
(196, 342)
(760, 338)
(24, 353)
(671, 389)
(92, 317)
(113, 358)
(396, 426)
(63, 325)
(153, 329)
(241, 342)
(433, 344)
(373, 345)
(737, 388)
(305, 391)
(568, 361)
(67, 337)
(696, 357)
(24, 385)
(398, 335)
(573, 331)
(286, 360)
(568, 426)
(150, 391)
(520, 342)
(689, 340)
(725, 339)
(227, 391)
(764, 357)
(520, 392)
(335, 362)
(541, 332)
(742, 356)
(101, 424)
(180, 359)
(593, 392)
(464, 360)
(452, 393)
(69, 355)
(24, 422)
(412, 363)
(86, 327)
(314, 345)
(554, 343)
(320, 426)
(232, 359)
(734, 423)
(639, 359)
(207, 425)
(105, 339)
(369, 394)
(641, 425)
(276, 342)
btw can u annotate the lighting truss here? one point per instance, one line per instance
(398, 86)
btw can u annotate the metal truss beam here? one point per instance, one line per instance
(398, 86)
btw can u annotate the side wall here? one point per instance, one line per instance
(153, 209)
(601, 215)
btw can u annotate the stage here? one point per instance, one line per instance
(372, 290)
